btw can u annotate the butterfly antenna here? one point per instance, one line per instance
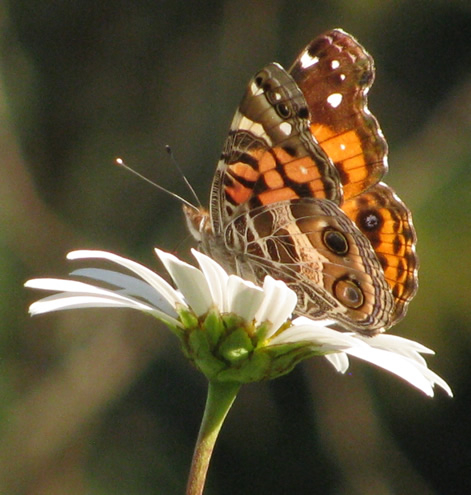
(121, 163)
(168, 149)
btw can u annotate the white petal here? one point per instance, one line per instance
(216, 277)
(80, 295)
(410, 370)
(131, 286)
(339, 360)
(57, 284)
(401, 358)
(400, 345)
(189, 280)
(389, 341)
(278, 304)
(243, 298)
(71, 301)
(158, 283)
(315, 332)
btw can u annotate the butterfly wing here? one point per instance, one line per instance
(270, 154)
(296, 192)
(317, 250)
(334, 73)
(387, 222)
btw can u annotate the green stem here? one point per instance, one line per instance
(218, 402)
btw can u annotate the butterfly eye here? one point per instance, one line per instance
(348, 293)
(335, 242)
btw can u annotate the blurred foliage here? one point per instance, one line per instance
(102, 402)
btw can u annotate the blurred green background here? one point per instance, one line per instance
(101, 401)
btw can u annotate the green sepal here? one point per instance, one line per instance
(262, 330)
(188, 318)
(267, 363)
(214, 327)
(232, 322)
(285, 357)
(201, 353)
(226, 348)
(255, 369)
(236, 347)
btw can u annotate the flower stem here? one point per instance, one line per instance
(218, 402)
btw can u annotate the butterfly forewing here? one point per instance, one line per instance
(335, 72)
(270, 155)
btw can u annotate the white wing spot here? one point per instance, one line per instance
(335, 64)
(254, 89)
(245, 123)
(306, 60)
(342, 77)
(303, 170)
(255, 128)
(322, 224)
(285, 128)
(334, 100)
(342, 147)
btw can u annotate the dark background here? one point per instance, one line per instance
(101, 401)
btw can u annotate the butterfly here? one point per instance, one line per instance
(297, 192)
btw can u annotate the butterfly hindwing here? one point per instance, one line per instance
(319, 252)
(387, 223)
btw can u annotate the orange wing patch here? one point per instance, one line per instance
(238, 193)
(387, 223)
(273, 175)
(274, 196)
(244, 171)
(345, 150)
(273, 179)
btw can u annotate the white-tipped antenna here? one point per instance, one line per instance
(190, 187)
(121, 163)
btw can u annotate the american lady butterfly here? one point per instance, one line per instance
(297, 192)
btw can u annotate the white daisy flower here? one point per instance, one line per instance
(232, 330)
